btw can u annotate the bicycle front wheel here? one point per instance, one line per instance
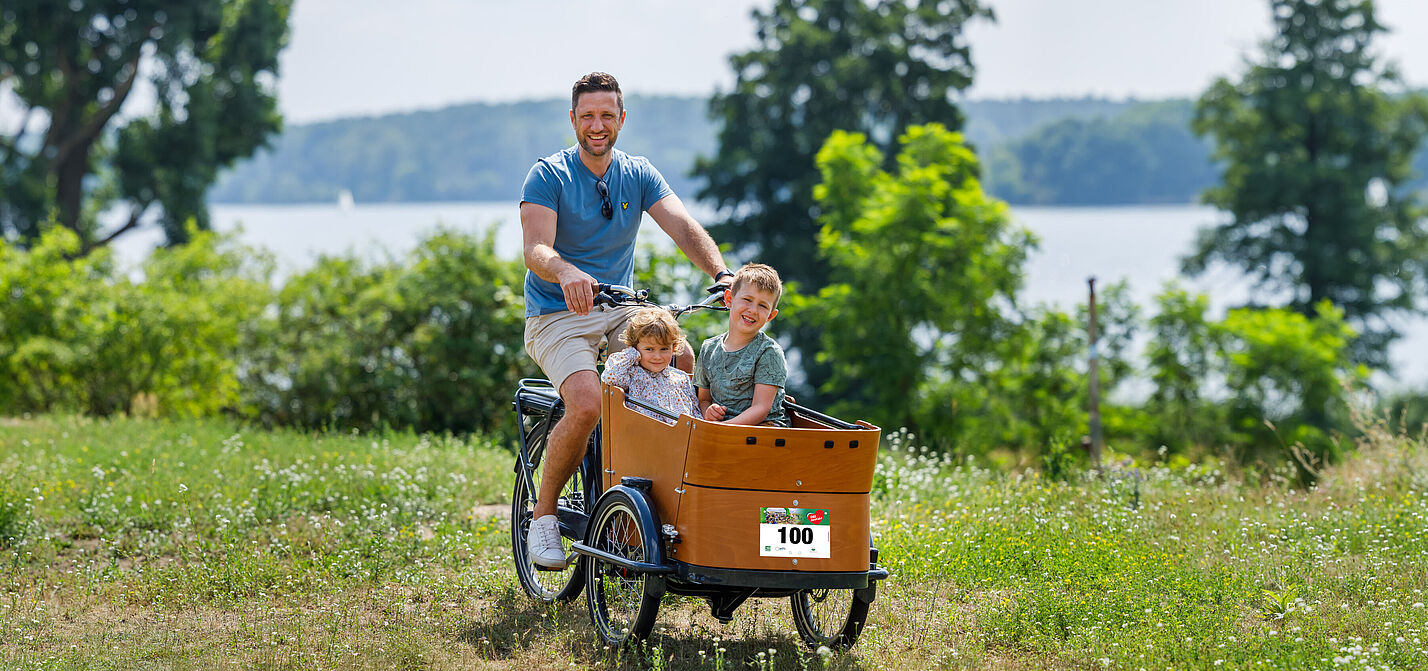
(548, 586)
(622, 606)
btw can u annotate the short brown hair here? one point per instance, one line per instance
(596, 81)
(762, 277)
(656, 324)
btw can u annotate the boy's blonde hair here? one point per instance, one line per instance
(761, 277)
(657, 324)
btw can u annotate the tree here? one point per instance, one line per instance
(820, 66)
(926, 265)
(1316, 142)
(71, 66)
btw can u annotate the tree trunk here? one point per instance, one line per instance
(1311, 250)
(1312, 258)
(69, 175)
(71, 138)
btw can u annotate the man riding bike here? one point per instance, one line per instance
(580, 211)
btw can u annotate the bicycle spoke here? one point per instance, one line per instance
(620, 589)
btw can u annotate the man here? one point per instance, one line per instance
(580, 211)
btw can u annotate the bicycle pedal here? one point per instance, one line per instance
(569, 562)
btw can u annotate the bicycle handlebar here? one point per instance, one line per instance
(618, 294)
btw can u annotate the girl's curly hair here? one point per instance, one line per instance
(656, 324)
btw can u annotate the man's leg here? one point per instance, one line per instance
(581, 393)
(563, 452)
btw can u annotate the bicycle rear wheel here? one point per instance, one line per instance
(831, 617)
(547, 586)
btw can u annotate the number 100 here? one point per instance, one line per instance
(795, 535)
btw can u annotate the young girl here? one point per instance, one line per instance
(643, 368)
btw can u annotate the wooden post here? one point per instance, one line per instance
(1095, 391)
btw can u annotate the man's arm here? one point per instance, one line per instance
(538, 231)
(684, 358)
(691, 238)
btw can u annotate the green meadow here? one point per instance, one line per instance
(145, 544)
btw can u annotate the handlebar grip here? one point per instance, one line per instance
(618, 290)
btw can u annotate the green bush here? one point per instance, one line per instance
(79, 334)
(1287, 376)
(1182, 354)
(1260, 384)
(431, 342)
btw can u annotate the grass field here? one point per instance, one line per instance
(132, 544)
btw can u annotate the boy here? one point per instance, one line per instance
(740, 374)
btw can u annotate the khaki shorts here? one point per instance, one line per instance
(564, 343)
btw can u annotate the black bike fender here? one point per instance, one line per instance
(649, 522)
(867, 594)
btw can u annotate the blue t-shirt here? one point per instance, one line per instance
(604, 248)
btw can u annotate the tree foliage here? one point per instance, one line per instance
(925, 265)
(921, 326)
(1316, 140)
(71, 67)
(821, 66)
(1085, 151)
(477, 151)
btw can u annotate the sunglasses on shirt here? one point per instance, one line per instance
(606, 207)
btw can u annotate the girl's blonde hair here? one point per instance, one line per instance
(656, 324)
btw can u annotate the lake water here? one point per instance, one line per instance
(1140, 244)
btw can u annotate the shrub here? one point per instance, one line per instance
(431, 342)
(77, 333)
(1287, 376)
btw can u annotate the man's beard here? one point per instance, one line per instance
(609, 144)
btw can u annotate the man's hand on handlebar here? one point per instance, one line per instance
(579, 290)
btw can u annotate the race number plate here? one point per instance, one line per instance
(794, 532)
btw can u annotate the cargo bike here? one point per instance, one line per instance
(704, 509)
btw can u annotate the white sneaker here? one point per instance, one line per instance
(543, 546)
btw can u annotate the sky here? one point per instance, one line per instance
(360, 57)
